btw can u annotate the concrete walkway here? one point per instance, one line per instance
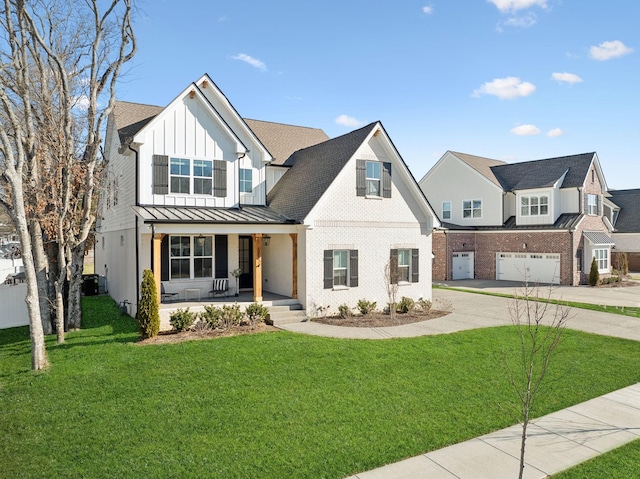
(555, 442)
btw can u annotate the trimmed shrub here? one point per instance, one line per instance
(231, 315)
(405, 305)
(594, 276)
(345, 311)
(256, 313)
(182, 319)
(424, 305)
(212, 315)
(365, 307)
(147, 315)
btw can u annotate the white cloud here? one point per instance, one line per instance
(566, 77)
(254, 62)
(525, 21)
(525, 130)
(428, 9)
(81, 103)
(505, 88)
(223, 19)
(555, 133)
(515, 5)
(608, 50)
(346, 120)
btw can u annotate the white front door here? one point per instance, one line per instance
(462, 265)
(530, 267)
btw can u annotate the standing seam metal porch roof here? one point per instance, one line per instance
(598, 238)
(194, 214)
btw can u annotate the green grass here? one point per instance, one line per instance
(622, 310)
(621, 463)
(269, 405)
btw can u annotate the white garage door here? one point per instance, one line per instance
(534, 267)
(462, 266)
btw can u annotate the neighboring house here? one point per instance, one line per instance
(625, 214)
(541, 220)
(196, 191)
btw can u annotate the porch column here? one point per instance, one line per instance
(294, 262)
(156, 267)
(257, 266)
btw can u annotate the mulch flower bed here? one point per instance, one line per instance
(379, 319)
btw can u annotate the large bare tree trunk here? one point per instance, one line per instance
(74, 305)
(41, 262)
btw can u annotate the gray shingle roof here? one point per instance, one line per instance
(312, 170)
(130, 118)
(629, 217)
(192, 214)
(544, 173)
(283, 140)
(481, 165)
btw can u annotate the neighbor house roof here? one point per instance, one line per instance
(544, 173)
(628, 220)
(481, 165)
(312, 170)
(283, 140)
(566, 221)
(598, 238)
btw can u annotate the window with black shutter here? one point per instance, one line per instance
(219, 178)
(160, 178)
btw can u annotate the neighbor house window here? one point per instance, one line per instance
(374, 174)
(534, 205)
(446, 210)
(472, 209)
(180, 175)
(202, 257)
(592, 204)
(246, 181)
(202, 177)
(180, 256)
(602, 259)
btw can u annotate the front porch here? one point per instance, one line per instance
(244, 299)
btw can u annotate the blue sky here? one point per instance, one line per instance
(513, 80)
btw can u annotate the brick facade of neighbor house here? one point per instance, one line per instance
(439, 249)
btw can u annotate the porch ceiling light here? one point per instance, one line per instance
(266, 240)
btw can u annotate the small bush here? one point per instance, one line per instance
(212, 315)
(147, 315)
(405, 305)
(365, 307)
(201, 326)
(594, 276)
(424, 305)
(610, 280)
(182, 319)
(231, 315)
(345, 311)
(256, 313)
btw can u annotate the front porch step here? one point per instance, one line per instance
(287, 314)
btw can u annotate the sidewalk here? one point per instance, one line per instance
(555, 442)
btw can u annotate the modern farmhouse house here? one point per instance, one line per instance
(197, 193)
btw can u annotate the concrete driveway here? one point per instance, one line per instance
(610, 296)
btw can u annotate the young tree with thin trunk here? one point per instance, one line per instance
(391, 278)
(539, 325)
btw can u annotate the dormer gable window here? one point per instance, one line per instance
(373, 179)
(534, 205)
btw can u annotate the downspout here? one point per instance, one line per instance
(137, 193)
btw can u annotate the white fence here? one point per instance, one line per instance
(13, 309)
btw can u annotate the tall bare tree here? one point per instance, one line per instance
(59, 65)
(539, 325)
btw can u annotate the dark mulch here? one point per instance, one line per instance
(380, 319)
(168, 337)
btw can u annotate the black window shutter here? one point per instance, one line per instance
(328, 269)
(599, 200)
(219, 178)
(164, 259)
(393, 266)
(160, 175)
(386, 180)
(586, 203)
(415, 265)
(361, 178)
(222, 256)
(353, 268)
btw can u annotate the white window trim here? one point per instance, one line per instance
(408, 267)
(529, 198)
(367, 179)
(192, 177)
(346, 269)
(192, 257)
(449, 210)
(241, 180)
(605, 259)
(590, 205)
(472, 217)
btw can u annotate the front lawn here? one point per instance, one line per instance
(267, 405)
(621, 463)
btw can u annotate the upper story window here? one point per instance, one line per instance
(180, 172)
(592, 204)
(373, 178)
(472, 209)
(537, 205)
(446, 210)
(202, 177)
(246, 180)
